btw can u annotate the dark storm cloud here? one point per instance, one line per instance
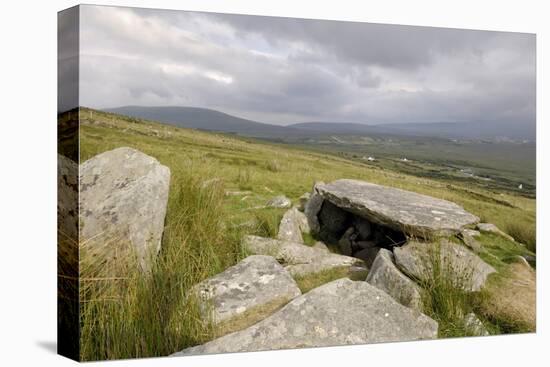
(283, 70)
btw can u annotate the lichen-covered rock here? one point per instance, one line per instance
(123, 197)
(280, 202)
(491, 228)
(245, 293)
(384, 275)
(341, 312)
(299, 259)
(466, 269)
(400, 210)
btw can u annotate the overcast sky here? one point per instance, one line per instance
(283, 70)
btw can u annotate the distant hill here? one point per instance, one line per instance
(207, 119)
(494, 131)
(212, 120)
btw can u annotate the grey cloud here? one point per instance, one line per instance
(283, 70)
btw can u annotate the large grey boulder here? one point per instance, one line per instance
(384, 275)
(341, 312)
(400, 210)
(245, 293)
(123, 197)
(299, 259)
(292, 225)
(465, 269)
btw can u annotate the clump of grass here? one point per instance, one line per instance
(444, 297)
(267, 222)
(127, 313)
(274, 165)
(523, 233)
(244, 179)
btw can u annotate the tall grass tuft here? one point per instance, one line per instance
(523, 233)
(444, 297)
(128, 313)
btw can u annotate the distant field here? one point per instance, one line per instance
(490, 165)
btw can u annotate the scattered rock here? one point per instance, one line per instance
(292, 225)
(317, 319)
(491, 228)
(474, 325)
(280, 201)
(420, 215)
(466, 269)
(384, 275)
(123, 197)
(471, 242)
(245, 293)
(302, 200)
(299, 259)
(368, 255)
(470, 232)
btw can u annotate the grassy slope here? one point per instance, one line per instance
(204, 166)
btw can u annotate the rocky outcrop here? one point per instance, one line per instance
(399, 210)
(245, 293)
(384, 275)
(341, 312)
(292, 225)
(280, 202)
(491, 228)
(123, 197)
(466, 269)
(299, 259)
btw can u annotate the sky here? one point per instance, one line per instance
(287, 70)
